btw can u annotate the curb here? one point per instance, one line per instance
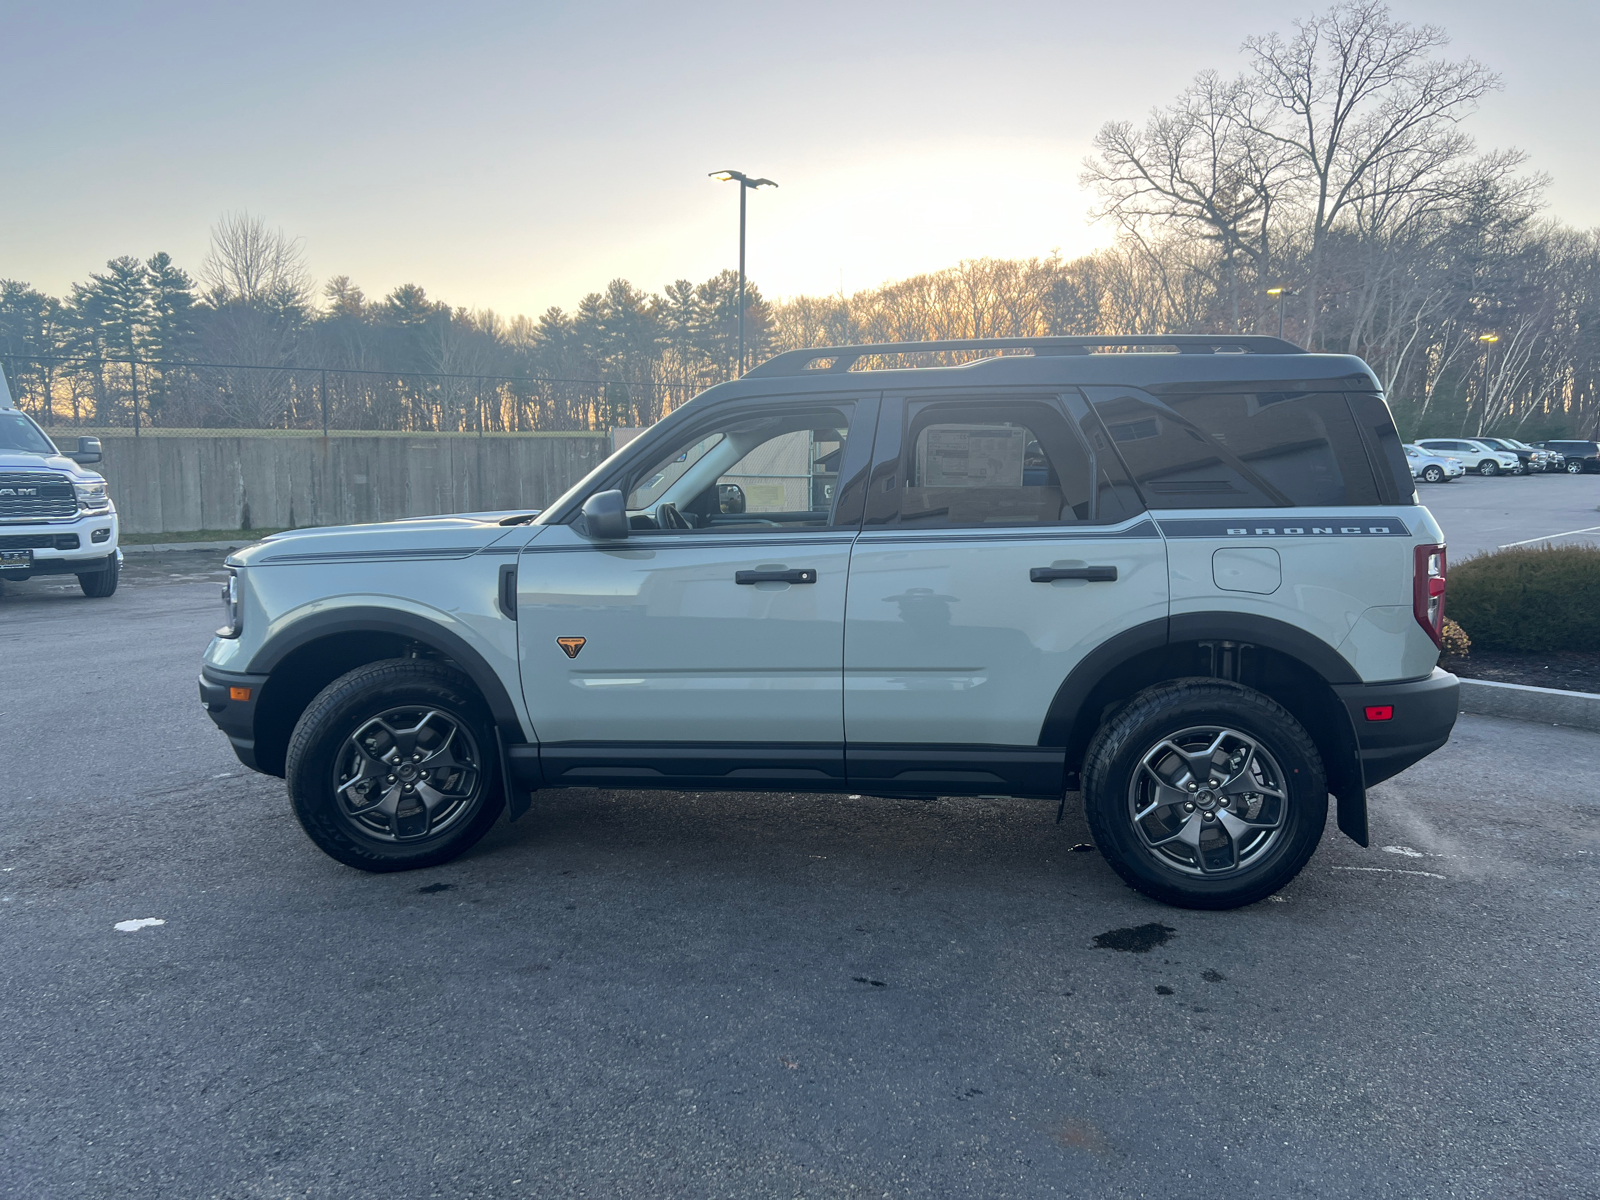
(1548, 706)
(168, 547)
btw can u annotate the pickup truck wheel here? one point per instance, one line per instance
(97, 585)
(1205, 794)
(393, 766)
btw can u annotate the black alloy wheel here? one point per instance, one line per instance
(1205, 794)
(395, 766)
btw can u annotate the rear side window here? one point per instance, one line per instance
(1243, 449)
(989, 463)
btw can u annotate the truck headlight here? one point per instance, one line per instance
(92, 497)
(232, 612)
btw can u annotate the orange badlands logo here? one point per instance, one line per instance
(571, 645)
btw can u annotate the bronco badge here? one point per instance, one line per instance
(571, 645)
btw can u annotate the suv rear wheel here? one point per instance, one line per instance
(1205, 794)
(1575, 467)
(394, 766)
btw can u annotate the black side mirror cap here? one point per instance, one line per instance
(605, 516)
(88, 451)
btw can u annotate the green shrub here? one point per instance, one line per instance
(1531, 598)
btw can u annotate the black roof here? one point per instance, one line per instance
(1161, 362)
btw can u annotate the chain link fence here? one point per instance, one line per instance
(135, 396)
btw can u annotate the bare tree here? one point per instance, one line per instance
(1200, 168)
(252, 264)
(1367, 114)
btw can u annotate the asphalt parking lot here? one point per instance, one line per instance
(1480, 514)
(631, 994)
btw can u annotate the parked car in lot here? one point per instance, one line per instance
(1196, 587)
(55, 517)
(1475, 455)
(1433, 468)
(1580, 456)
(1535, 460)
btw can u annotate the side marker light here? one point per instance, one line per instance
(238, 693)
(1380, 712)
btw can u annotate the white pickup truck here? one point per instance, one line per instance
(55, 517)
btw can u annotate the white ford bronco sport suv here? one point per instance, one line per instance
(1189, 579)
(55, 517)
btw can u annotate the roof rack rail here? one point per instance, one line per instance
(798, 362)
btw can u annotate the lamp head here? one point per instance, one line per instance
(741, 178)
(1488, 337)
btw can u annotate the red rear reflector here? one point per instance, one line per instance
(1380, 712)
(244, 694)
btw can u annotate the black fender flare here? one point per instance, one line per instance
(373, 619)
(1326, 716)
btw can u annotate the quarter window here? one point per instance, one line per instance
(1241, 449)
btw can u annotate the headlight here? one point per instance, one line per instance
(92, 497)
(232, 612)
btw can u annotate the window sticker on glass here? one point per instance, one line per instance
(971, 456)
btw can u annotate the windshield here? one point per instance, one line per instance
(17, 432)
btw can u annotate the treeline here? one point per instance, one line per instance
(1335, 171)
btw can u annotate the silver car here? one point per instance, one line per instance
(1431, 467)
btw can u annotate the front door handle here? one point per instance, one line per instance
(798, 575)
(1092, 574)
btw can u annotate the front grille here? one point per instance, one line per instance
(39, 541)
(25, 494)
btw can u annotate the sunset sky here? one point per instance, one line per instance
(515, 156)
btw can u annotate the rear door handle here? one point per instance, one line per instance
(798, 575)
(1092, 574)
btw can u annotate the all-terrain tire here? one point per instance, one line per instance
(1177, 707)
(323, 746)
(97, 585)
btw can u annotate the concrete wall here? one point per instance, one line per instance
(171, 484)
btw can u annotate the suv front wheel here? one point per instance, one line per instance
(394, 766)
(1205, 794)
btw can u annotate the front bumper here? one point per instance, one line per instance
(230, 700)
(75, 547)
(1422, 712)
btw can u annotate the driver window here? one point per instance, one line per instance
(764, 473)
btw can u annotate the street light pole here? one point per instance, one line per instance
(1488, 340)
(1282, 293)
(745, 184)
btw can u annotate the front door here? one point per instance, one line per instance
(1000, 546)
(707, 646)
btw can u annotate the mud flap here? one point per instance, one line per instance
(519, 798)
(1347, 780)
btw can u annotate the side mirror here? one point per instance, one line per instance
(605, 516)
(88, 451)
(730, 498)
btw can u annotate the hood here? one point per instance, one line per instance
(438, 538)
(21, 460)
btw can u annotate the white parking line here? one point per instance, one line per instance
(1552, 537)
(1390, 871)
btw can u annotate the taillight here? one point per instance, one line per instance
(1427, 591)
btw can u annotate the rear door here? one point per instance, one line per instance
(999, 548)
